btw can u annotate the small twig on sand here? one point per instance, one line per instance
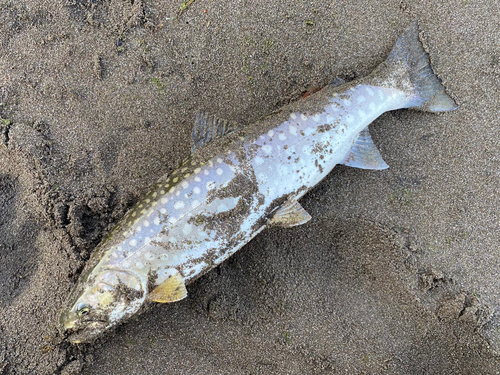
(184, 6)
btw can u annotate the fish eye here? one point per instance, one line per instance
(82, 309)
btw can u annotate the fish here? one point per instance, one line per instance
(238, 181)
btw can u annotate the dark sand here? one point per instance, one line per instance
(397, 272)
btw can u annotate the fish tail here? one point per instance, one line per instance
(409, 59)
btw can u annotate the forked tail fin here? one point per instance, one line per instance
(409, 59)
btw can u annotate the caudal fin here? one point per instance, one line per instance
(427, 93)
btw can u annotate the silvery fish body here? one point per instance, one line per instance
(235, 185)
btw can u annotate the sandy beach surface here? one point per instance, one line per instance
(396, 273)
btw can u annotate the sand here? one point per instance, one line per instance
(397, 272)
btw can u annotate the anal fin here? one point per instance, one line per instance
(364, 154)
(172, 290)
(290, 215)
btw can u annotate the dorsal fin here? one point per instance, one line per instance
(364, 154)
(208, 127)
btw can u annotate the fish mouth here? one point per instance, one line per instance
(87, 333)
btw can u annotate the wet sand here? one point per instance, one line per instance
(396, 273)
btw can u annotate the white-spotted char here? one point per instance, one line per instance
(232, 188)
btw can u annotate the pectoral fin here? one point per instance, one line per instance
(290, 215)
(364, 154)
(171, 290)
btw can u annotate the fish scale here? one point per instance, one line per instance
(235, 185)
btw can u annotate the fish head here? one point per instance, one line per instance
(99, 301)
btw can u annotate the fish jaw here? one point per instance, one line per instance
(105, 299)
(89, 334)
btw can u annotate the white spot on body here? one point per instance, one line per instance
(362, 115)
(219, 171)
(267, 149)
(206, 172)
(270, 133)
(219, 160)
(195, 204)
(303, 117)
(335, 107)
(187, 229)
(196, 190)
(147, 240)
(293, 130)
(347, 102)
(197, 170)
(259, 160)
(178, 193)
(146, 223)
(172, 189)
(179, 205)
(133, 242)
(369, 91)
(197, 179)
(361, 99)
(163, 211)
(282, 137)
(293, 116)
(139, 265)
(185, 184)
(349, 119)
(164, 200)
(156, 221)
(316, 118)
